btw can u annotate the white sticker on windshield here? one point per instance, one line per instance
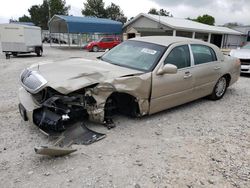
(148, 51)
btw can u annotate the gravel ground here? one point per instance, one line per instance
(200, 144)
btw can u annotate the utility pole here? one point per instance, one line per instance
(49, 9)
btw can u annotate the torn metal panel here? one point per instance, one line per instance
(79, 134)
(53, 151)
(76, 134)
(138, 85)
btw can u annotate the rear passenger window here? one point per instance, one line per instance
(179, 57)
(202, 54)
(110, 39)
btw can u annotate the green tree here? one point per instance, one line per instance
(206, 19)
(114, 12)
(40, 14)
(12, 20)
(153, 11)
(94, 8)
(161, 12)
(24, 18)
(58, 7)
(232, 24)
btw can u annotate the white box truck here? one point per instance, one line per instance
(18, 39)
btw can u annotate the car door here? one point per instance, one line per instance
(170, 90)
(110, 43)
(206, 70)
(102, 43)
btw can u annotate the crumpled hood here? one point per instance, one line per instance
(241, 53)
(76, 73)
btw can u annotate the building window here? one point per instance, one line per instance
(184, 34)
(202, 36)
(169, 32)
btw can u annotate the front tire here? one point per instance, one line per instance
(220, 89)
(95, 49)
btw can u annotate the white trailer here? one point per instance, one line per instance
(18, 39)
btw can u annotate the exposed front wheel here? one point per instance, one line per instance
(219, 89)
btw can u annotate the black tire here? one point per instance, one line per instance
(7, 56)
(220, 89)
(39, 52)
(95, 49)
(14, 54)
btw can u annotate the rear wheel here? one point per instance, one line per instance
(95, 49)
(7, 55)
(39, 52)
(219, 89)
(14, 54)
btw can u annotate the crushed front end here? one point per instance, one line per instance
(52, 111)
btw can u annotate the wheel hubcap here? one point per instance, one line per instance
(221, 87)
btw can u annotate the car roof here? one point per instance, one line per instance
(166, 40)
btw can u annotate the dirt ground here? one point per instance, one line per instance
(200, 144)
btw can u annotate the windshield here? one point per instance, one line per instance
(135, 55)
(246, 47)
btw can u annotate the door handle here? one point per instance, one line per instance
(187, 75)
(216, 68)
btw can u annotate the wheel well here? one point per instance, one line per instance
(228, 78)
(38, 48)
(122, 103)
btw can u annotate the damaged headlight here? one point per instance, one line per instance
(103, 87)
(32, 81)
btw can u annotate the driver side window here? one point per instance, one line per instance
(179, 56)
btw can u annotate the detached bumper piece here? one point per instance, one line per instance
(77, 134)
(53, 151)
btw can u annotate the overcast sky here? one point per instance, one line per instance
(223, 10)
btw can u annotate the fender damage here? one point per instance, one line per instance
(59, 104)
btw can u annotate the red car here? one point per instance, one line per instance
(103, 43)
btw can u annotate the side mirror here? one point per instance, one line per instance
(167, 69)
(107, 50)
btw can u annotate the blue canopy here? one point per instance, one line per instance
(75, 24)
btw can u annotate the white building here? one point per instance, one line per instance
(148, 25)
(245, 30)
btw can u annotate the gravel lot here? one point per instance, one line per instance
(200, 144)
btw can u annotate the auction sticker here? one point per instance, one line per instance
(148, 51)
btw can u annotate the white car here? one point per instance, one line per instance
(244, 55)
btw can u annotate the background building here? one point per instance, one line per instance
(245, 30)
(148, 25)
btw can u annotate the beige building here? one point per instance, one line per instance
(148, 25)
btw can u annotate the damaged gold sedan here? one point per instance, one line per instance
(139, 77)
